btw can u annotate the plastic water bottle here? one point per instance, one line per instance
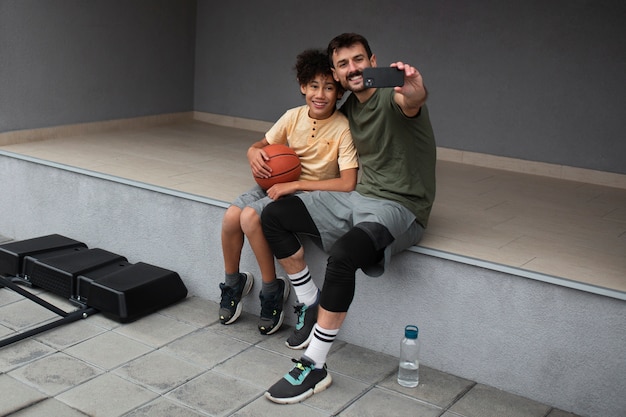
(408, 371)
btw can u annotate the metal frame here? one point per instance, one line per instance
(82, 312)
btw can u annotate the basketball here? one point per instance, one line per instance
(284, 163)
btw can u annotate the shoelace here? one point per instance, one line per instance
(269, 308)
(228, 296)
(302, 368)
(300, 310)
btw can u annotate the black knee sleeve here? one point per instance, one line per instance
(352, 251)
(281, 220)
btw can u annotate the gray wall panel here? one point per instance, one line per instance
(534, 80)
(65, 62)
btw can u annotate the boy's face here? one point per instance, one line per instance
(348, 66)
(321, 96)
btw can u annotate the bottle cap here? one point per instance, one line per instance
(410, 332)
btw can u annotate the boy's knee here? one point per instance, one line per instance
(249, 219)
(231, 219)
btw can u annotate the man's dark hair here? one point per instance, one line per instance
(312, 62)
(346, 40)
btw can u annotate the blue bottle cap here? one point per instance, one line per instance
(410, 332)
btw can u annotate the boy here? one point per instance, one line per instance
(321, 137)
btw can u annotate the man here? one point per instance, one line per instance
(386, 214)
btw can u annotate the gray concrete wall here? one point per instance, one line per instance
(534, 80)
(68, 61)
(553, 344)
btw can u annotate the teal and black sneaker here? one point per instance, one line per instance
(300, 383)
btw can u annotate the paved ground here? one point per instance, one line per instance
(182, 362)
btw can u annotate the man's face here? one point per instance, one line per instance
(348, 66)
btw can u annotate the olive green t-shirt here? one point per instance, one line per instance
(397, 154)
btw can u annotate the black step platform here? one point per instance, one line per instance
(135, 291)
(58, 274)
(91, 278)
(12, 254)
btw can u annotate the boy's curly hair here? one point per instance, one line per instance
(312, 62)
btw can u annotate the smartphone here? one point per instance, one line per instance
(383, 77)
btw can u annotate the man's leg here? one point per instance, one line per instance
(281, 221)
(351, 252)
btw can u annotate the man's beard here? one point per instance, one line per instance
(347, 82)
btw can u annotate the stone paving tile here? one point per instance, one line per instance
(49, 408)
(159, 371)
(8, 296)
(24, 314)
(163, 408)
(155, 330)
(18, 354)
(215, 394)
(65, 336)
(244, 329)
(264, 408)
(108, 350)
(103, 321)
(256, 366)
(5, 331)
(435, 387)
(343, 391)
(55, 373)
(364, 364)
(205, 348)
(193, 310)
(381, 402)
(561, 413)
(106, 396)
(16, 395)
(484, 401)
(276, 343)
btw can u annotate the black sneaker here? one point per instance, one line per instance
(300, 383)
(230, 306)
(272, 313)
(303, 333)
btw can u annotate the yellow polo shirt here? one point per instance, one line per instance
(324, 146)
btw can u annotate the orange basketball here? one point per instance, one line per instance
(285, 166)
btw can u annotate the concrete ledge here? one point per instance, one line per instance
(551, 343)
(562, 172)
(32, 135)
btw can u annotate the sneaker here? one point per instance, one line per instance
(300, 383)
(272, 313)
(303, 333)
(230, 306)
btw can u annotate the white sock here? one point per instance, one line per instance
(320, 345)
(305, 288)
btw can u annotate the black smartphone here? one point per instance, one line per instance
(382, 77)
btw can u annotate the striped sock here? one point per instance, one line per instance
(320, 345)
(304, 286)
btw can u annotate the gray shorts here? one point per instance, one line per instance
(255, 197)
(335, 213)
